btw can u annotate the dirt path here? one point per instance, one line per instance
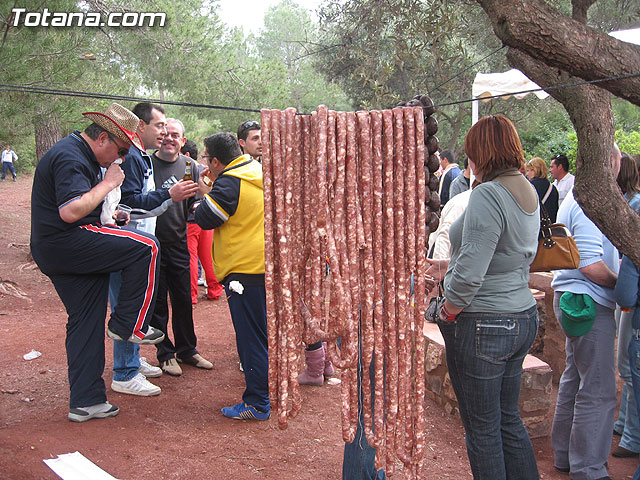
(180, 434)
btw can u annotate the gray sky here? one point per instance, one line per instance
(249, 14)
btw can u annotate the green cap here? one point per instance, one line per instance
(578, 313)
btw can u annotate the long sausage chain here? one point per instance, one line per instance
(345, 234)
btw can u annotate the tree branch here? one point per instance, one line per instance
(595, 190)
(558, 41)
(580, 8)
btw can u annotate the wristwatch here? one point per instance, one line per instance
(446, 316)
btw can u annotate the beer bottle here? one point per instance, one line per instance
(187, 171)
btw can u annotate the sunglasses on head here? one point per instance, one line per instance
(249, 124)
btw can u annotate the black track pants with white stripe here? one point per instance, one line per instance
(79, 263)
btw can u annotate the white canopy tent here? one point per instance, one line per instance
(491, 84)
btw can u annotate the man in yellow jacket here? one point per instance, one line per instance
(235, 209)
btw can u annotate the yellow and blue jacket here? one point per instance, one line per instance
(235, 209)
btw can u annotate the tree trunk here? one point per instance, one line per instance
(543, 40)
(595, 187)
(48, 131)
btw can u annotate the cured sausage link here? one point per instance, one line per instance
(389, 304)
(283, 269)
(293, 334)
(419, 298)
(401, 280)
(269, 251)
(377, 246)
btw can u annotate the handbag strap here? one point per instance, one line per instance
(545, 227)
(548, 192)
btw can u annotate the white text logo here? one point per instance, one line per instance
(86, 19)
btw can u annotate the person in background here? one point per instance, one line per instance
(562, 179)
(8, 157)
(627, 294)
(489, 319)
(462, 182)
(250, 140)
(130, 370)
(584, 305)
(450, 170)
(537, 174)
(628, 424)
(199, 242)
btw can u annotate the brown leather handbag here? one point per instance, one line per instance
(557, 250)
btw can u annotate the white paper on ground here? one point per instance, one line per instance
(31, 355)
(75, 466)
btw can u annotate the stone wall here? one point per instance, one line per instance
(535, 394)
(554, 338)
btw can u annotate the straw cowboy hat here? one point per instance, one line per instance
(119, 122)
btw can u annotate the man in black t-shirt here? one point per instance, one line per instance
(175, 278)
(78, 253)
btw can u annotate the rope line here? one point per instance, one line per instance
(106, 96)
(553, 87)
(470, 66)
(73, 93)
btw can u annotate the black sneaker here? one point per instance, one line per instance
(100, 410)
(152, 337)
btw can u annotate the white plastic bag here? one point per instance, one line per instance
(109, 206)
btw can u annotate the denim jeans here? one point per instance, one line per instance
(484, 353)
(8, 166)
(358, 462)
(126, 355)
(628, 423)
(634, 362)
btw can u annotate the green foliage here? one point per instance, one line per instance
(385, 52)
(546, 135)
(629, 142)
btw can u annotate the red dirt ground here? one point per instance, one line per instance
(180, 434)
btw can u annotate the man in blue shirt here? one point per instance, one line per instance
(78, 253)
(130, 371)
(583, 422)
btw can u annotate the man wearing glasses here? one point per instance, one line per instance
(130, 371)
(175, 277)
(78, 253)
(249, 139)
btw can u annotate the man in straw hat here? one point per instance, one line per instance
(78, 253)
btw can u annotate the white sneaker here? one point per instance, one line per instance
(138, 385)
(201, 282)
(149, 370)
(100, 410)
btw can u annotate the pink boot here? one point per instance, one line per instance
(315, 366)
(328, 366)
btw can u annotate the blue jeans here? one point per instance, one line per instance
(126, 355)
(8, 166)
(358, 462)
(628, 423)
(634, 361)
(485, 352)
(586, 403)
